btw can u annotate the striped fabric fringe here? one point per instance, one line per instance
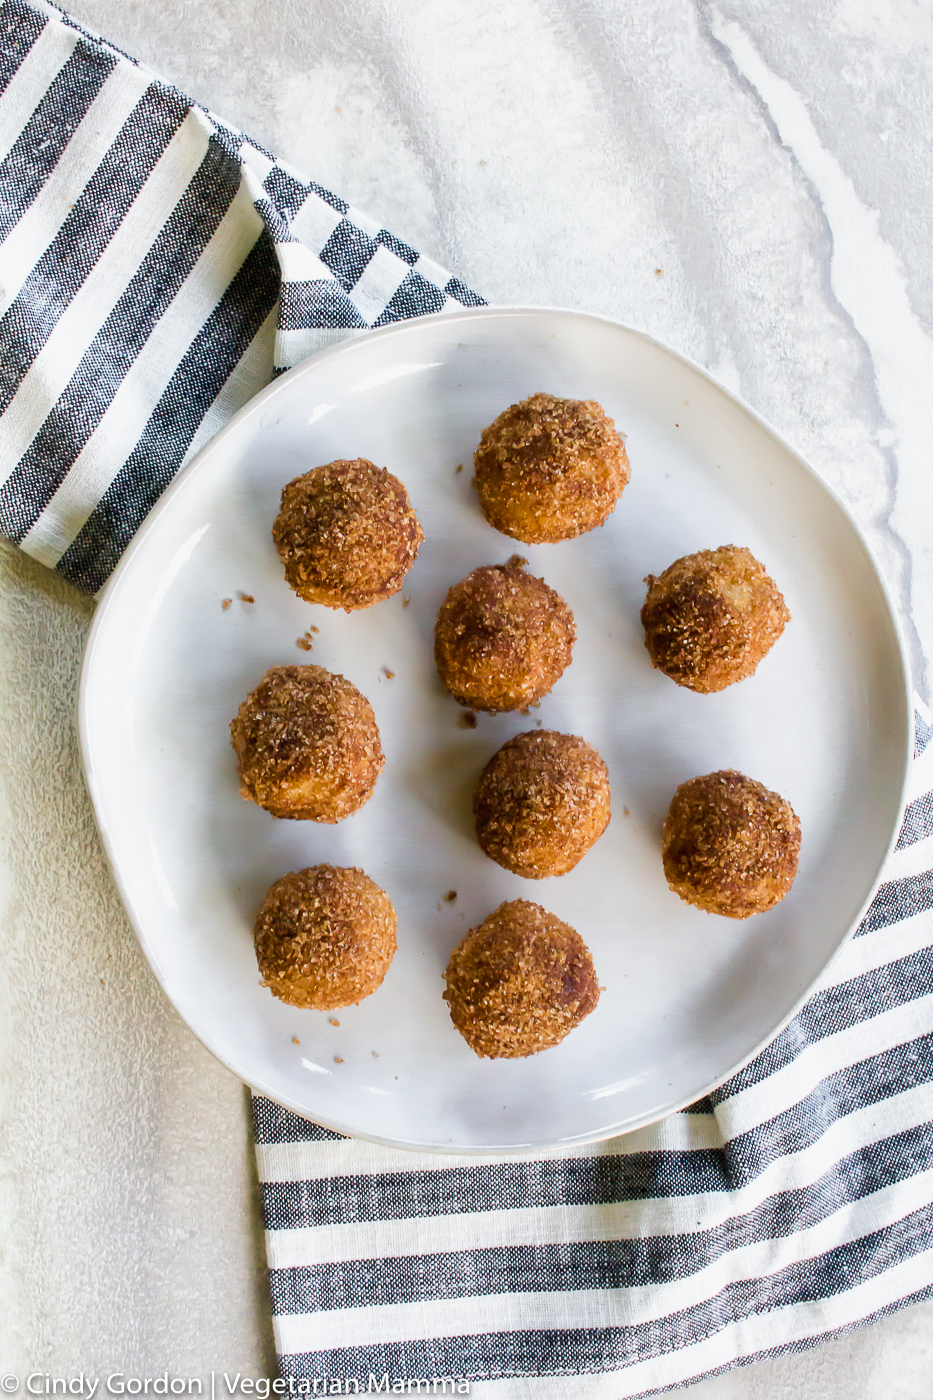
(156, 269)
(794, 1204)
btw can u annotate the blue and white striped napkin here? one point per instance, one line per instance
(156, 268)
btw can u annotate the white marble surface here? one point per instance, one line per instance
(746, 180)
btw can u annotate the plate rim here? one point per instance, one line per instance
(255, 405)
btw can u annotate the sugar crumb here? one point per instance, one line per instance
(338, 1059)
(247, 598)
(626, 812)
(517, 561)
(389, 675)
(450, 896)
(332, 1021)
(295, 1040)
(226, 603)
(469, 719)
(405, 602)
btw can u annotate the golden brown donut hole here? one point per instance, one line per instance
(502, 639)
(346, 534)
(549, 469)
(711, 617)
(730, 846)
(324, 937)
(307, 745)
(519, 982)
(541, 803)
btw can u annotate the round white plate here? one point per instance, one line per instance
(688, 996)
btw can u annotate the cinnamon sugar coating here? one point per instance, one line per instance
(542, 802)
(549, 469)
(346, 534)
(502, 639)
(730, 846)
(324, 937)
(519, 982)
(711, 618)
(307, 745)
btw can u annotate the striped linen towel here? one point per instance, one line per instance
(156, 269)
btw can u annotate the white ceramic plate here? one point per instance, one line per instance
(688, 997)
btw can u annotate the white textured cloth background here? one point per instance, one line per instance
(744, 182)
